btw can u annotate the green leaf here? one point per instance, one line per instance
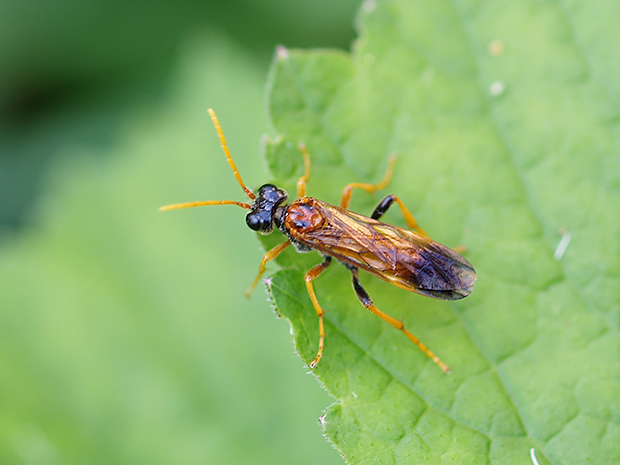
(503, 117)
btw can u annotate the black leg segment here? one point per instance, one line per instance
(383, 206)
(367, 303)
(360, 291)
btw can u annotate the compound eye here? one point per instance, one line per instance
(267, 190)
(260, 222)
(272, 194)
(253, 221)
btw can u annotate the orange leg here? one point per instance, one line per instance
(301, 184)
(314, 272)
(345, 200)
(367, 303)
(273, 253)
(411, 222)
(386, 202)
(409, 219)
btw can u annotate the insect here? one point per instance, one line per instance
(406, 258)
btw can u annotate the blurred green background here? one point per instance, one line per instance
(124, 334)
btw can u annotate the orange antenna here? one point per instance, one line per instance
(220, 133)
(177, 206)
(248, 192)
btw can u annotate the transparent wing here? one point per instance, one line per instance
(399, 256)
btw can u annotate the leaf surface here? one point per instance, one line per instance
(504, 119)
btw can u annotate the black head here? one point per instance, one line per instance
(268, 199)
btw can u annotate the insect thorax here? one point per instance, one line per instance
(299, 218)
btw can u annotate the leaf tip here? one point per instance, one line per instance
(369, 6)
(281, 52)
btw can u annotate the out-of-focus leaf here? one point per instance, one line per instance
(503, 116)
(70, 70)
(124, 334)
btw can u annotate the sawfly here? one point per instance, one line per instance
(407, 258)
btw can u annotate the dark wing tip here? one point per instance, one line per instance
(451, 294)
(458, 276)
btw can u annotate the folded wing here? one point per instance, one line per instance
(402, 257)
